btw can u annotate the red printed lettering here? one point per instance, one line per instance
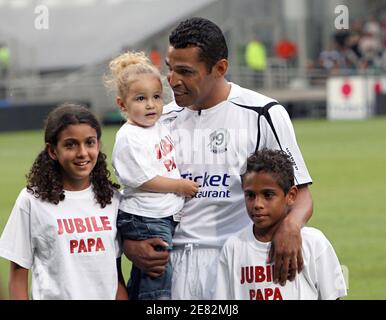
(95, 225)
(277, 294)
(82, 246)
(269, 273)
(89, 228)
(257, 274)
(69, 225)
(249, 274)
(170, 164)
(246, 274)
(60, 226)
(81, 225)
(73, 245)
(87, 245)
(259, 295)
(158, 154)
(266, 294)
(99, 245)
(105, 223)
(80, 228)
(166, 146)
(90, 244)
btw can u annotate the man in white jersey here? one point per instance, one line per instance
(216, 126)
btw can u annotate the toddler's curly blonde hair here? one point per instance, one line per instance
(125, 68)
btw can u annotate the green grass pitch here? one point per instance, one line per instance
(346, 159)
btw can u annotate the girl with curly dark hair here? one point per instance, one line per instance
(63, 224)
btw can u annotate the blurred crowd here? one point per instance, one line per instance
(361, 47)
(4, 59)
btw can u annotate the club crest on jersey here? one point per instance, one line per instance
(219, 140)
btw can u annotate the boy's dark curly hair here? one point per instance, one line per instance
(275, 162)
(45, 180)
(202, 33)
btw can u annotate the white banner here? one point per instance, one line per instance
(353, 97)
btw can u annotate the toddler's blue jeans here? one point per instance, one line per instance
(140, 286)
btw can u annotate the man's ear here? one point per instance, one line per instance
(220, 68)
(51, 151)
(291, 195)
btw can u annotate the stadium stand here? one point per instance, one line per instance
(68, 61)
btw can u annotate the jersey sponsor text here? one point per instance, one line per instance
(206, 181)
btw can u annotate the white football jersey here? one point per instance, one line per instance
(212, 147)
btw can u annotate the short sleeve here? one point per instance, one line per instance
(15, 241)
(133, 163)
(280, 134)
(224, 284)
(118, 239)
(118, 245)
(330, 280)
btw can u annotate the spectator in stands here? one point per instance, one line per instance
(5, 56)
(352, 43)
(155, 57)
(287, 50)
(350, 53)
(383, 60)
(357, 49)
(256, 60)
(330, 59)
(373, 27)
(383, 25)
(370, 49)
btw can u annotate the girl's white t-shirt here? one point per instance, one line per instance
(71, 247)
(139, 155)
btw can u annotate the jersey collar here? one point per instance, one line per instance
(235, 91)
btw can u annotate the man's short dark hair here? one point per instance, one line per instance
(275, 162)
(202, 33)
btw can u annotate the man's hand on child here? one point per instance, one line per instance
(286, 252)
(143, 254)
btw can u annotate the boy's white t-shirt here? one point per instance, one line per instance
(71, 247)
(243, 273)
(139, 155)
